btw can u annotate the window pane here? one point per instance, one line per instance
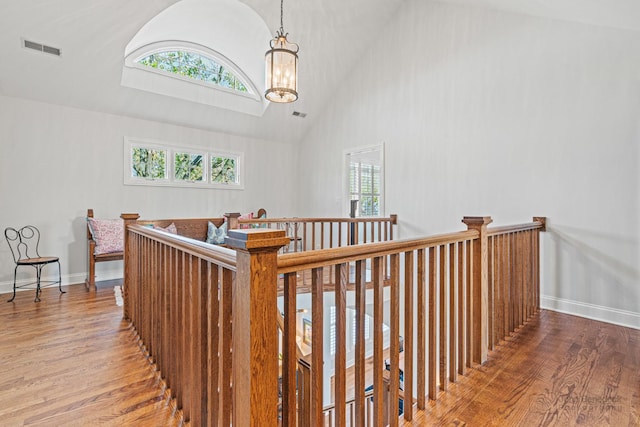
(223, 170)
(148, 163)
(365, 180)
(188, 167)
(194, 66)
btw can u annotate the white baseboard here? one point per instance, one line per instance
(70, 279)
(626, 318)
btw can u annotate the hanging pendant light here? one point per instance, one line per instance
(281, 66)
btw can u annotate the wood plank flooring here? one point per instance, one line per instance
(71, 360)
(558, 370)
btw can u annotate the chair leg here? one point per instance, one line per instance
(60, 280)
(15, 273)
(38, 274)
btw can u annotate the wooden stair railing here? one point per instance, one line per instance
(205, 316)
(451, 299)
(322, 233)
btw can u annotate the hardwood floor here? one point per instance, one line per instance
(71, 360)
(558, 370)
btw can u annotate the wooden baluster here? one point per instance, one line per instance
(378, 320)
(174, 363)
(360, 308)
(453, 311)
(443, 334)
(506, 284)
(213, 380)
(341, 278)
(512, 279)
(313, 237)
(490, 294)
(433, 331)
(317, 346)
(408, 335)
(469, 303)
(331, 243)
(462, 308)
(394, 336)
(421, 325)
(518, 279)
(289, 349)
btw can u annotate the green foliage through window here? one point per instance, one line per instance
(223, 170)
(157, 164)
(148, 163)
(188, 167)
(194, 66)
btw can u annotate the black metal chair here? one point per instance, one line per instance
(24, 248)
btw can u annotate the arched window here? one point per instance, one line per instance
(194, 66)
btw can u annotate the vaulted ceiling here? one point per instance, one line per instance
(332, 35)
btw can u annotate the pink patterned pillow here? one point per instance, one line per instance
(171, 228)
(108, 235)
(246, 216)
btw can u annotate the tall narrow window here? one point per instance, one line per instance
(366, 180)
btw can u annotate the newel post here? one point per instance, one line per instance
(480, 291)
(232, 220)
(255, 335)
(128, 218)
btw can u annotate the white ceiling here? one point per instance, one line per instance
(332, 35)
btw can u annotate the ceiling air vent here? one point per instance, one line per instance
(41, 48)
(299, 114)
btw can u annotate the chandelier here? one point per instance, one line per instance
(281, 66)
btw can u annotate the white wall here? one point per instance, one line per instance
(491, 113)
(58, 161)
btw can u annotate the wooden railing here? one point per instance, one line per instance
(206, 317)
(179, 298)
(514, 277)
(307, 234)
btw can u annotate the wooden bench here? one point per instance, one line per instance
(92, 258)
(194, 228)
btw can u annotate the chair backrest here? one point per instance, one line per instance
(23, 242)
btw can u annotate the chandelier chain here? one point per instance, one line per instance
(281, 15)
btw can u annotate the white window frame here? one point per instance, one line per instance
(171, 150)
(374, 150)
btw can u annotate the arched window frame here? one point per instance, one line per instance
(132, 60)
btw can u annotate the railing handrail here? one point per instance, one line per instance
(218, 255)
(317, 258)
(496, 231)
